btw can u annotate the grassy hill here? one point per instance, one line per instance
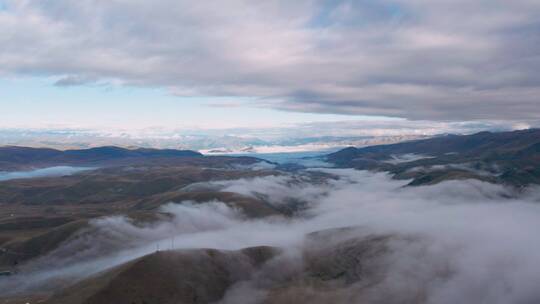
(14, 157)
(38, 214)
(511, 158)
(182, 276)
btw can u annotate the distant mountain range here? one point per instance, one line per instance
(13, 157)
(503, 157)
(323, 143)
(205, 143)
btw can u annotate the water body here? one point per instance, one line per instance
(306, 158)
(42, 172)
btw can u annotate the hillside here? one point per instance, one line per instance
(183, 276)
(503, 157)
(14, 157)
(37, 214)
(336, 261)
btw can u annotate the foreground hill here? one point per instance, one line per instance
(14, 157)
(339, 266)
(182, 276)
(504, 157)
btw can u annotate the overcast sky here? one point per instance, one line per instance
(174, 63)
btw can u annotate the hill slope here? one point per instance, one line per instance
(183, 276)
(505, 157)
(12, 157)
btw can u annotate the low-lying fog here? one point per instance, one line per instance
(486, 243)
(42, 172)
(305, 158)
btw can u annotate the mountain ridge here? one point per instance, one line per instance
(12, 157)
(502, 157)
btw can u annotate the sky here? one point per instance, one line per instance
(35, 102)
(267, 64)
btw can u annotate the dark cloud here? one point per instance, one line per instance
(418, 59)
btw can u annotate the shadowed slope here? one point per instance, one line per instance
(13, 157)
(506, 157)
(183, 276)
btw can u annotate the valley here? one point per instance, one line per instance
(180, 227)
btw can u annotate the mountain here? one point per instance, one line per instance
(12, 157)
(37, 214)
(182, 276)
(211, 142)
(503, 157)
(337, 265)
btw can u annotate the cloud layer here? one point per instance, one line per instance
(468, 245)
(419, 59)
(43, 172)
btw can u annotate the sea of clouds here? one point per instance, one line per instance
(484, 242)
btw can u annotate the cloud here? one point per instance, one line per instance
(443, 60)
(456, 242)
(43, 172)
(405, 158)
(74, 80)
